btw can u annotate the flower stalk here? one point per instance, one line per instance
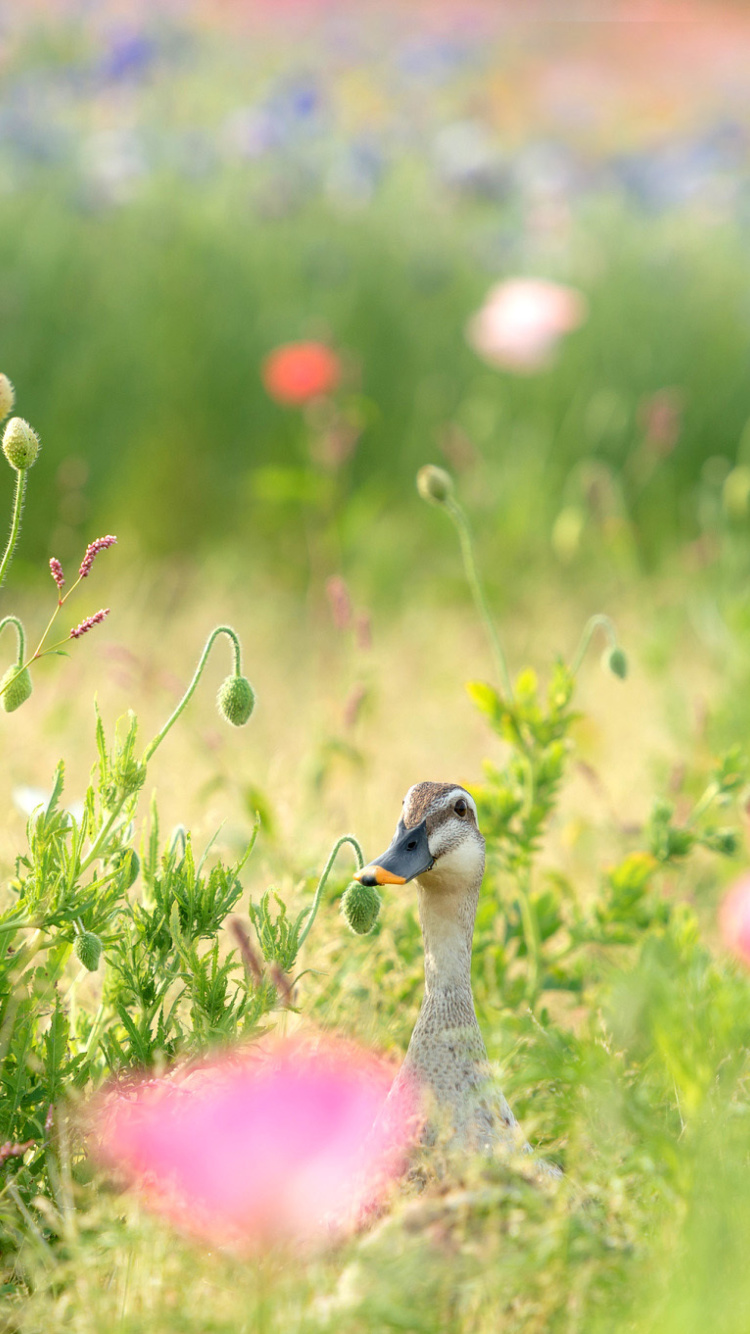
(235, 694)
(354, 843)
(436, 486)
(11, 678)
(615, 660)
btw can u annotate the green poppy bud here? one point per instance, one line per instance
(20, 444)
(89, 948)
(236, 700)
(129, 864)
(13, 695)
(7, 396)
(361, 907)
(434, 484)
(614, 661)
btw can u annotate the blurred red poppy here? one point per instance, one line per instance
(295, 373)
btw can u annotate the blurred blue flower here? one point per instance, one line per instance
(130, 55)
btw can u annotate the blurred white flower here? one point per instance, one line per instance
(522, 321)
(31, 800)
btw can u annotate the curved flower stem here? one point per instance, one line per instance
(20, 634)
(477, 591)
(590, 627)
(15, 526)
(220, 630)
(345, 838)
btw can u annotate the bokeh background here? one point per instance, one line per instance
(187, 187)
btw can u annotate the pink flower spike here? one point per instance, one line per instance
(93, 550)
(89, 623)
(340, 602)
(270, 1144)
(734, 919)
(56, 570)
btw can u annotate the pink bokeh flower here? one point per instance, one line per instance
(296, 373)
(734, 919)
(261, 1146)
(521, 322)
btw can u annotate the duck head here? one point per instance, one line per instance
(437, 840)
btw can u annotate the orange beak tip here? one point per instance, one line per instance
(380, 876)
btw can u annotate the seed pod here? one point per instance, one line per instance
(361, 907)
(7, 396)
(89, 948)
(434, 484)
(236, 700)
(20, 444)
(14, 695)
(614, 661)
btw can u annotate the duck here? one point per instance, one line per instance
(439, 845)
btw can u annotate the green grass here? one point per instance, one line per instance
(638, 1085)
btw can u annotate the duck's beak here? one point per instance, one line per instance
(408, 856)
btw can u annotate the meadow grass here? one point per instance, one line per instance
(646, 1230)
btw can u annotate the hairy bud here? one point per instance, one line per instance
(88, 948)
(7, 396)
(361, 907)
(434, 484)
(236, 700)
(20, 444)
(14, 692)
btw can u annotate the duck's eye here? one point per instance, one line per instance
(411, 845)
(460, 807)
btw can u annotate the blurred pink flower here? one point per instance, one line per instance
(521, 322)
(734, 919)
(340, 601)
(660, 418)
(261, 1146)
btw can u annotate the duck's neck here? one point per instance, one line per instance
(446, 916)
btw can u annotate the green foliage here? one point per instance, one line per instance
(168, 988)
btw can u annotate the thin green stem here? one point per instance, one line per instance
(101, 837)
(22, 666)
(477, 591)
(590, 627)
(530, 933)
(15, 526)
(220, 630)
(702, 805)
(345, 838)
(21, 637)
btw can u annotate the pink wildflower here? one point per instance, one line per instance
(93, 550)
(660, 416)
(89, 623)
(11, 1150)
(522, 321)
(56, 570)
(266, 1145)
(734, 919)
(340, 602)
